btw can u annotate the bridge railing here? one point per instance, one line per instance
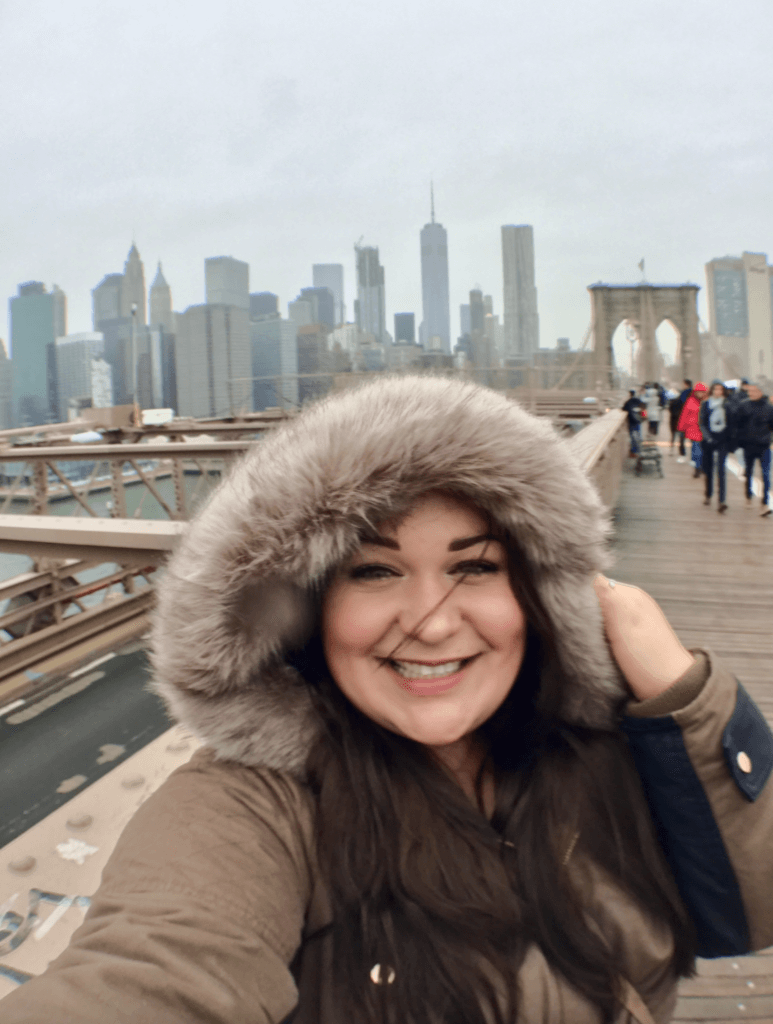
(41, 476)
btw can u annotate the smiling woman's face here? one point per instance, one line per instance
(466, 642)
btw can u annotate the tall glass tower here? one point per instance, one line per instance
(370, 307)
(435, 330)
(38, 318)
(520, 293)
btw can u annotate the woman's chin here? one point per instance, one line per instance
(436, 734)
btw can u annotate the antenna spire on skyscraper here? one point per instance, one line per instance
(432, 198)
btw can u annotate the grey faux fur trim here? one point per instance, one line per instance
(236, 591)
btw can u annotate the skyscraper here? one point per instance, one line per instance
(740, 300)
(331, 275)
(156, 370)
(213, 359)
(38, 318)
(323, 305)
(106, 299)
(227, 282)
(6, 385)
(263, 304)
(120, 313)
(464, 318)
(371, 306)
(161, 314)
(521, 319)
(477, 311)
(434, 285)
(133, 290)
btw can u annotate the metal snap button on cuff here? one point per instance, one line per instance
(382, 975)
(744, 761)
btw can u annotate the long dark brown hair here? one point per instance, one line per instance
(448, 901)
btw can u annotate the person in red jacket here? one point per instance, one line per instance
(689, 422)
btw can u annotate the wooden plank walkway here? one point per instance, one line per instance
(713, 576)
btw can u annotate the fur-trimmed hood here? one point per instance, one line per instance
(237, 592)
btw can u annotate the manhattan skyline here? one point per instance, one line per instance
(610, 130)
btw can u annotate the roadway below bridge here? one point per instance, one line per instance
(68, 736)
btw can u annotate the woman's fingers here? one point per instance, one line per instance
(648, 651)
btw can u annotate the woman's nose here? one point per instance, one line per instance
(431, 612)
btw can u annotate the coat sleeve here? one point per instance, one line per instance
(198, 915)
(705, 755)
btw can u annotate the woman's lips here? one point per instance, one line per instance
(429, 687)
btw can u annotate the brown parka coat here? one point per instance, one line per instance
(205, 908)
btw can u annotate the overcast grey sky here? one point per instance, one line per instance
(279, 133)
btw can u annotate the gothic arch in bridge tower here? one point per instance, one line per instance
(646, 306)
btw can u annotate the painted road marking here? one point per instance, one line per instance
(91, 665)
(53, 699)
(11, 706)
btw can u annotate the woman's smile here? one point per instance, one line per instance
(425, 679)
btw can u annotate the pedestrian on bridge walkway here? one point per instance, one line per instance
(689, 423)
(634, 407)
(717, 426)
(755, 432)
(676, 411)
(451, 773)
(652, 399)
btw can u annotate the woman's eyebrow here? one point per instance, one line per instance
(379, 541)
(455, 545)
(467, 542)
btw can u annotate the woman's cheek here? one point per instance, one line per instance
(355, 622)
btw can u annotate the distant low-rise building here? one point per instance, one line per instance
(301, 312)
(315, 363)
(274, 348)
(405, 328)
(84, 377)
(346, 336)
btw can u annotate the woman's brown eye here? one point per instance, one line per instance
(370, 572)
(479, 567)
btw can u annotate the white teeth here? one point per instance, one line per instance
(413, 670)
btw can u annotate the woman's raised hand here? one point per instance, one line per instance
(644, 645)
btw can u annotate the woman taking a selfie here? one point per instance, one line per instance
(451, 774)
